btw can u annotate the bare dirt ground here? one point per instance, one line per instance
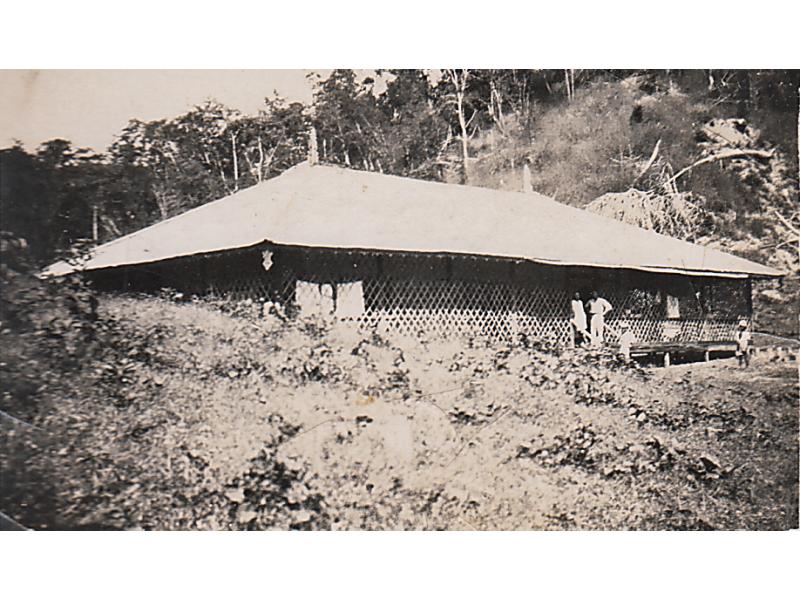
(208, 420)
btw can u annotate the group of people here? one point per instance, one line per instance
(594, 334)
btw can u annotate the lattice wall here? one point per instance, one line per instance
(493, 298)
(452, 307)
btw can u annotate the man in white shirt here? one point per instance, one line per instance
(598, 308)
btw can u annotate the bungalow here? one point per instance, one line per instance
(420, 255)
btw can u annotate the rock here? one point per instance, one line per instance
(773, 295)
(302, 516)
(236, 495)
(246, 516)
(710, 463)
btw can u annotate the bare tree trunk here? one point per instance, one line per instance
(313, 151)
(260, 165)
(460, 85)
(572, 82)
(496, 106)
(162, 200)
(464, 145)
(568, 84)
(743, 94)
(235, 162)
(95, 228)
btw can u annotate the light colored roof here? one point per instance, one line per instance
(332, 207)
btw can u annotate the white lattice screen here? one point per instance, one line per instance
(504, 311)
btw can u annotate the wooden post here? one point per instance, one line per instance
(666, 359)
(707, 356)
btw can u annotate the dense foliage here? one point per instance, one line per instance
(47, 329)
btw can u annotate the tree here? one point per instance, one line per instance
(189, 159)
(456, 81)
(348, 121)
(274, 139)
(416, 134)
(27, 202)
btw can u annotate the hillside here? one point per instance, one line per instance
(204, 416)
(666, 155)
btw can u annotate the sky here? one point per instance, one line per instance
(88, 107)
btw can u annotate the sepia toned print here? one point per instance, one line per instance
(407, 300)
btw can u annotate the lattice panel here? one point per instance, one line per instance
(499, 310)
(666, 330)
(451, 307)
(465, 307)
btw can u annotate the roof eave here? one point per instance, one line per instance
(51, 272)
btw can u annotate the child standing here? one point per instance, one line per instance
(743, 337)
(626, 340)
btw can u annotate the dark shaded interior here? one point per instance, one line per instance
(241, 274)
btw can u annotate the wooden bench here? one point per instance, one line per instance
(668, 349)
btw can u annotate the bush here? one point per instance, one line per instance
(50, 337)
(47, 329)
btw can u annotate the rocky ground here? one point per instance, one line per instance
(210, 420)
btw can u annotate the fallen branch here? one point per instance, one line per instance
(720, 156)
(649, 164)
(786, 222)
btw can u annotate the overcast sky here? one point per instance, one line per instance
(90, 107)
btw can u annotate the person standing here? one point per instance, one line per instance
(598, 308)
(626, 340)
(743, 337)
(578, 321)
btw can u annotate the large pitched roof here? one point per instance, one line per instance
(331, 207)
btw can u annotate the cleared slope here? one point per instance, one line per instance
(211, 421)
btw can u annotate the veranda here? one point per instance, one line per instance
(453, 294)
